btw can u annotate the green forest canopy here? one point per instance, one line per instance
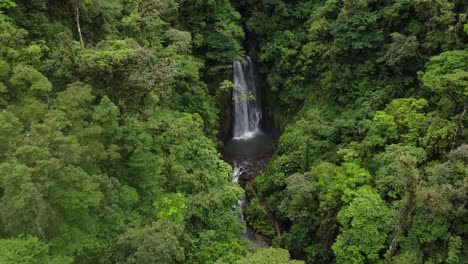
(112, 113)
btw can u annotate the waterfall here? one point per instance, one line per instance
(247, 111)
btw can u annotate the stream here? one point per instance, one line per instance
(248, 158)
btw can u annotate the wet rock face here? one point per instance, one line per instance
(257, 239)
(252, 168)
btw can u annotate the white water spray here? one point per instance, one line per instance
(247, 108)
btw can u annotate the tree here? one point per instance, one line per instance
(158, 243)
(76, 11)
(446, 75)
(338, 185)
(402, 120)
(390, 180)
(402, 52)
(365, 223)
(94, 16)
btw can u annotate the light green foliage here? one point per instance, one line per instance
(338, 184)
(401, 120)
(178, 171)
(383, 129)
(171, 207)
(365, 223)
(6, 4)
(216, 226)
(13, 39)
(221, 252)
(309, 132)
(454, 250)
(76, 97)
(150, 20)
(281, 52)
(28, 250)
(26, 78)
(195, 168)
(100, 141)
(269, 256)
(57, 182)
(110, 53)
(405, 112)
(213, 211)
(226, 86)
(447, 76)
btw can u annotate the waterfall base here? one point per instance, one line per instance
(248, 135)
(248, 147)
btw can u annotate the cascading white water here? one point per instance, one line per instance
(238, 169)
(247, 110)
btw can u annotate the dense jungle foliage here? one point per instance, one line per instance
(110, 112)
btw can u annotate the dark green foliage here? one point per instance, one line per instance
(389, 179)
(158, 243)
(354, 31)
(215, 31)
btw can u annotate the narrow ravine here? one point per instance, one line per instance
(250, 148)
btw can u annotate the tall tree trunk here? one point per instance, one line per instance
(459, 125)
(404, 219)
(267, 212)
(76, 8)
